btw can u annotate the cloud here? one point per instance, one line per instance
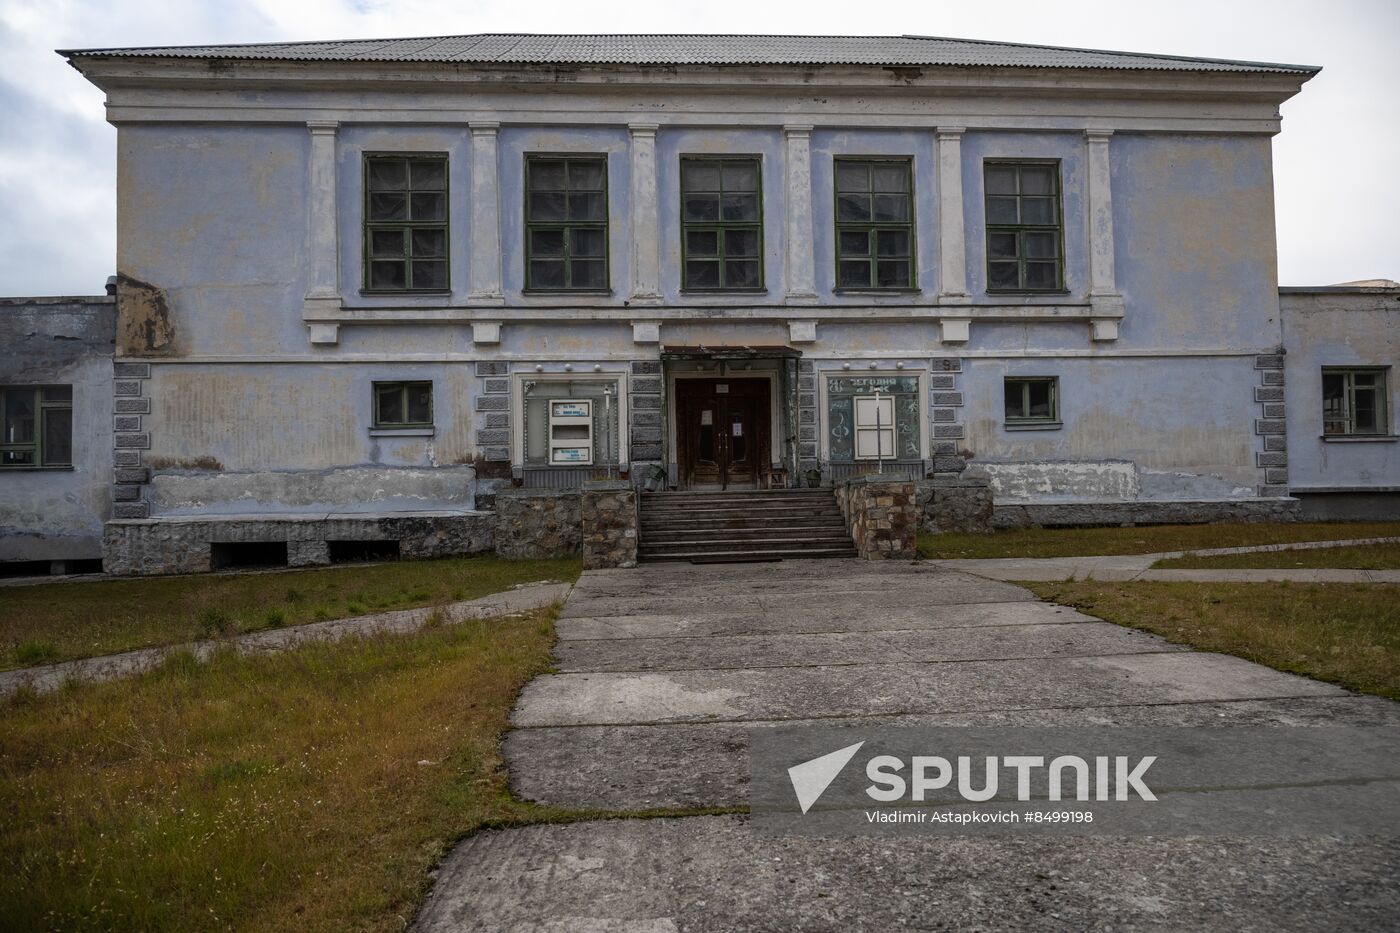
(1334, 162)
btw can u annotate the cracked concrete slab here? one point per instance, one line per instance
(667, 672)
(706, 764)
(836, 616)
(713, 874)
(834, 691)
(718, 652)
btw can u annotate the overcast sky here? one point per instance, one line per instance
(1337, 162)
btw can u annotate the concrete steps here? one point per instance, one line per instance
(730, 526)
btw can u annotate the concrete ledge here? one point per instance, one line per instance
(184, 544)
(1143, 512)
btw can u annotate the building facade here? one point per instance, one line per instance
(362, 277)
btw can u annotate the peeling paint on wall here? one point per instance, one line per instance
(144, 327)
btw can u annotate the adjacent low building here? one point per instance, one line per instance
(56, 428)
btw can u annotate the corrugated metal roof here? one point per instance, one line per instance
(531, 49)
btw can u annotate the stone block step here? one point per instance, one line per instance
(750, 554)
(745, 525)
(815, 508)
(747, 501)
(756, 533)
(737, 544)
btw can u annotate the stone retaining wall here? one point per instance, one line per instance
(609, 525)
(186, 545)
(882, 516)
(1144, 512)
(538, 523)
(954, 503)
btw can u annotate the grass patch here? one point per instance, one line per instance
(1343, 633)
(1359, 557)
(1146, 539)
(307, 790)
(102, 617)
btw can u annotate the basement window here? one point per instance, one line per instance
(247, 555)
(36, 426)
(347, 552)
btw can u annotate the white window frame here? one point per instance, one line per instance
(872, 433)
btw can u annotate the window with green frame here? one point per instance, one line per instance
(36, 426)
(1024, 233)
(566, 223)
(874, 223)
(1354, 401)
(406, 223)
(403, 404)
(721, 223)
(1032, 400)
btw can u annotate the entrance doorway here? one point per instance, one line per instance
(722, 431)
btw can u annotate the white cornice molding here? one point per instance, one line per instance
(784, 314)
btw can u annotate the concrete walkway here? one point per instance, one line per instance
(1139, 567)
(110, 667)
(665, 671)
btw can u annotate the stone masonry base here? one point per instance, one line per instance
(1144, 512)
(186, 545)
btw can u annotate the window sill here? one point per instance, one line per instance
(1029, 292)
(392, 292)
(903, 290)
(1360, 438)
(37, 469)
(1034, 426)
(566, 291)
(724, 291)
(423, 431)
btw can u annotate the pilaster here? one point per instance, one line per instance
(952, 248)
(1103, 291)
(646, 245)
(801, 265)
(485, 222)
(322, 224)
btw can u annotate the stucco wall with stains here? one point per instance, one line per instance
(300, 437)
(212, 251)
(1188, 415)
(57, 514)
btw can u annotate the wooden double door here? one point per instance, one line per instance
(722, 431)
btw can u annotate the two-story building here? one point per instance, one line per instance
(370, 276)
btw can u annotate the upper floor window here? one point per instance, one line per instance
(36, 426)
(406, 223)
(1353, 401)
(721, 223)
(566, 223)
(403, 404)
(1024, 232)
(1032, 400)
(874, 224)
